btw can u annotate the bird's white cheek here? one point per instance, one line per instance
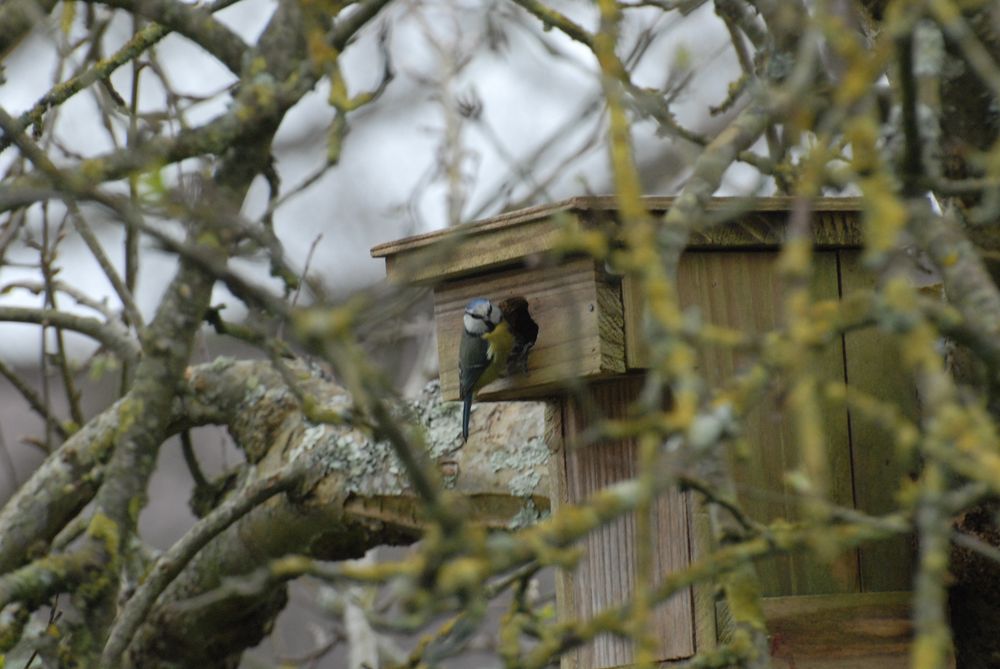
(473, 326)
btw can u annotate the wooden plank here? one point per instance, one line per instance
(566, 600)
(606, 573)
(857, 631)
(744, 291)
(706, 624)
(656, 205)
(767, 230)
(753, 231)
(634, 307)
(470, 250)
(525, 236)
(874, 366)
(579, 317)
(508, 219)
(610, 324)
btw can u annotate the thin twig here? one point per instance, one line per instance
(37, 404)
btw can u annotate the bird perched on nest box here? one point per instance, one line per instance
(483, 352)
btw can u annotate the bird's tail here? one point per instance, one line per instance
(466, 411)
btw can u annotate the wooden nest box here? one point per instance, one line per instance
(850, 610)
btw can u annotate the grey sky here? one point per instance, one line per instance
(534, 88)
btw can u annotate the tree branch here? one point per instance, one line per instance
(194, 22)
(112, 336)
(169, 565)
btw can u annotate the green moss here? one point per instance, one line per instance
(135, 508)
(930, 649)
(291, 565)
(93, 169)
(208, 239)
(106, 531)
(12, 629)
(257, 65)
(743, 596)
(129, 411)
(463, 574)
(222, 364)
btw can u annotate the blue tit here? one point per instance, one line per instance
(482, 353)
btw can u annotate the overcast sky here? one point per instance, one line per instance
(530, 85)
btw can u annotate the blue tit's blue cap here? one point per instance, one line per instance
(476, 304)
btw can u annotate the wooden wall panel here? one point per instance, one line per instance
(874, 367)
(744, 291)
(606, 573)
(856, 631)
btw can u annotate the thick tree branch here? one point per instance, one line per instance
(968, 283)
(35, 583)
(57, 490)
(194, 22)
(180, 554)
(270, 427)
(347, 506)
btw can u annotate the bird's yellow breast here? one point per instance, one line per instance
(501, 341)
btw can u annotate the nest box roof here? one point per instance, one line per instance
(517, 236)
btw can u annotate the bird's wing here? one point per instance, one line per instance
(472, 348)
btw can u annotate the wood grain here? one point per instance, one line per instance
(759, 230)
(526, 236)
(874, 366)
(470, 249)
(857, 631)
(744, 291)
(566, 599)
(579, 317)
(706, 626)
(606, 573)
(633, 306)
